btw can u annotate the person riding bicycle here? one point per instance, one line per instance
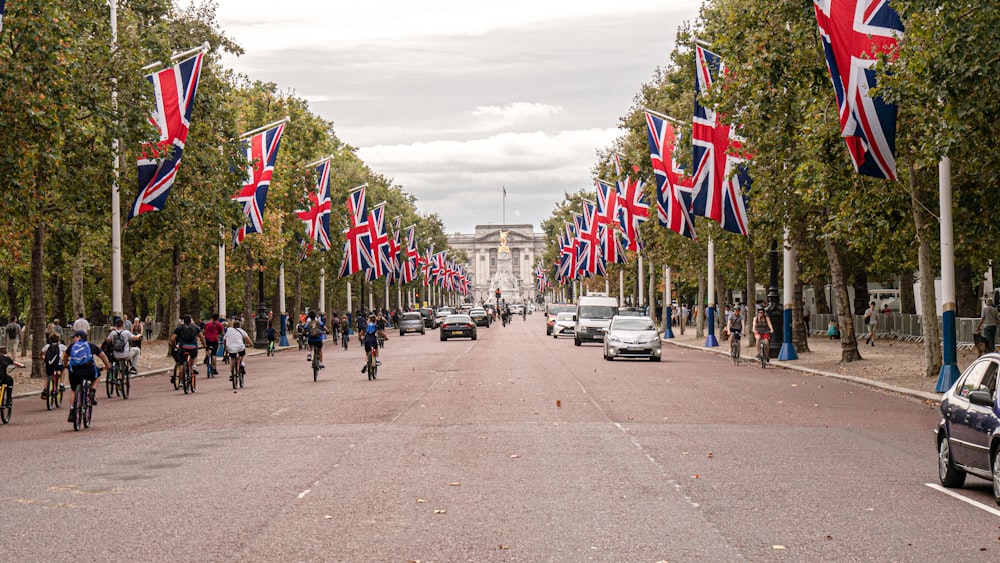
(52, 353)
(236, 341)
(736, 324)
(270, 334)
(345, 329)
(315, 329)
(79, 357)
(121, 340)
(185, 340)
(5, 361)
(370, 338)
(213, 333)
(762, 329)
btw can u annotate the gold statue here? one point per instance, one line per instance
(503, 241)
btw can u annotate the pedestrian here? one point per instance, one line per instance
(148, 325)
(832, 331)
(988, 325)
(805, 317)
(13, 333)
(871, 322)
(81, 323)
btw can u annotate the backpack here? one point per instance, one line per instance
(188, 333)
(80, 354)
(11, 331)
(118, 342)
(52, 355)
(314, 329)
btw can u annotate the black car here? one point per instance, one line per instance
(428, 314)
(458, 326)
(480, 317)
(968, 436)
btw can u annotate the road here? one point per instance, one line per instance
(513, 447)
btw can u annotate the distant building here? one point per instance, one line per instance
(526, 247)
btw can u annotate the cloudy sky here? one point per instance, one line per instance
(455, 100)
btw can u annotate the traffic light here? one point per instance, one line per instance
(497, 293)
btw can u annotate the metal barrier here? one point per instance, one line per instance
(907, 328)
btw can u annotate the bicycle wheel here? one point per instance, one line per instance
(50, 394)
(88, 411)
(109, 381)
(126, 384)
(762, 355)
(59, 394)
(371, 367)
(315, 365)
(194, 381)
(186, 377)
(5, 405)
(233, 376)
(243, 373)
(177, 379)
(78, 407)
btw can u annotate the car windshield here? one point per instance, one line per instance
(556, 309)
(632, 323)
(457, 319)
(598, 311)
(411, 316)
(564, 317)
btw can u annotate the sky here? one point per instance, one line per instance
(456, 101)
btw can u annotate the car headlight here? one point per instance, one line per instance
(648, 340)
(613, 338)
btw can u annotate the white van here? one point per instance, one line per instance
(593, 316)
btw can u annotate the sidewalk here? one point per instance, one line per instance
(892, 365)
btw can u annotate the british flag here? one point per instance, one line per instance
(541, 278)
(357, 242)
(426, 263)
(305, 249)
(409, 266)
(854, 32)
(607, 219)
(568, 248)
(633, 211)
(394, 274)
(316, 216)
(174, 91)
(590, 257)
(720, 179)
(673, 187)
(1, 15)
(261, 151)
(379, 241)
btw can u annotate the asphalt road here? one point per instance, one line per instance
(513, 447)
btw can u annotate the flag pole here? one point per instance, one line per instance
(503, 206)
(286, 119)
(664, 116)
(318, 162)
(203, 47)
(116, 212)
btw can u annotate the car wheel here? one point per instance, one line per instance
(949, 475)
(996, 475)
(576, 341)
(607, 357)
(401, 333)
(473, 336)
(654, 358)
(443, 338)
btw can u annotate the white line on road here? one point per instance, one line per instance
(977, 504)
(305, 492)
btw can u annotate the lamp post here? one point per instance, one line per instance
(260, 341)
(773, 308)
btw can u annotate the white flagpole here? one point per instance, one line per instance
(642, 283)
(350, 304)
(281, 305)
(222, 273)
(116, 213)
(322, 290)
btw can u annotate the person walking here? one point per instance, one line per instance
(871, 322)
(81, 323)
(13, 333)
(988, 325)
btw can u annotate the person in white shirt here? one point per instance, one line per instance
(81, 324)
(121, 343)
(236, 341)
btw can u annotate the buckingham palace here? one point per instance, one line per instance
(487, 250)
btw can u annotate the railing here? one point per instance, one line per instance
(897, 326)
(97, 334)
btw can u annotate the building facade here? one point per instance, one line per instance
(526, 247)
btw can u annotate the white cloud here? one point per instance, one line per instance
(491, 118)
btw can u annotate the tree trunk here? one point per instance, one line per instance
(928, 303)
(907, 304)
(36, 324)
(799, 336)
(12, 296)
(298, 292)
(172, 314)
(819, 294)
(848, 340)
(249, 295)
(860, 290)
(59, 298)
(968, 289)
(128, 300)
(77, 290)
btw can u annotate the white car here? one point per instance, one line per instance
(565, 325)
(632, 337)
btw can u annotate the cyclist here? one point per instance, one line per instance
(213, 333)
(762, 329)
(185, 340)
(270, 333)
(381, 324)
(314, 332)
(345, 330)
(80, 359)
(370, 337)
(736, 324)
(7, 360)
(53, 353)
(121, 340)
(236, 341)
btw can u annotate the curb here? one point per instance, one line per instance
(158, 371)
(920, 395)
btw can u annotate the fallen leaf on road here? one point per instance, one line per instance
(420, 500)
(328, 517)
(502, 546)
(455, 484)
(777, 547)
(515, 455)
(558, 404)
(439, 511)
(829, 537)
(710, 455)
(696, 476)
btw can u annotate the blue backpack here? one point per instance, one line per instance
(80, 354)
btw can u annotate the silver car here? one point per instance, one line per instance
(411, 322)
(632, 337)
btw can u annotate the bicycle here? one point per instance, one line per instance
(236, 377)
(734, 347)
(83, 408)
(6, 402)
(762, 346)
(187, 379)
(372, 366)
(53, 394)
(119, 379)
(315, 366)
(270, 348)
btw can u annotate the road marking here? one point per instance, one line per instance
(304, 493)
(977, 504)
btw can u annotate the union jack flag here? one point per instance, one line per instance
(633, 211)
(607, 218)
(395, 271)
(317, 214)
(854, 32)
(305, 249)
(590, 259)
(357, 241)
(425, 264)
(1, 15)
(673, 187)
(174, 91)
(568, 245)
(379, 241)
(720, 178)
(409, 266)
(541, 278)
(261, 153)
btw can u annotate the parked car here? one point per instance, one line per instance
(455, 326)
(480, 317)
(565, 325)
(968, 435)
(553, 310)
(411, 322)
(632, 337)
(428, 315)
